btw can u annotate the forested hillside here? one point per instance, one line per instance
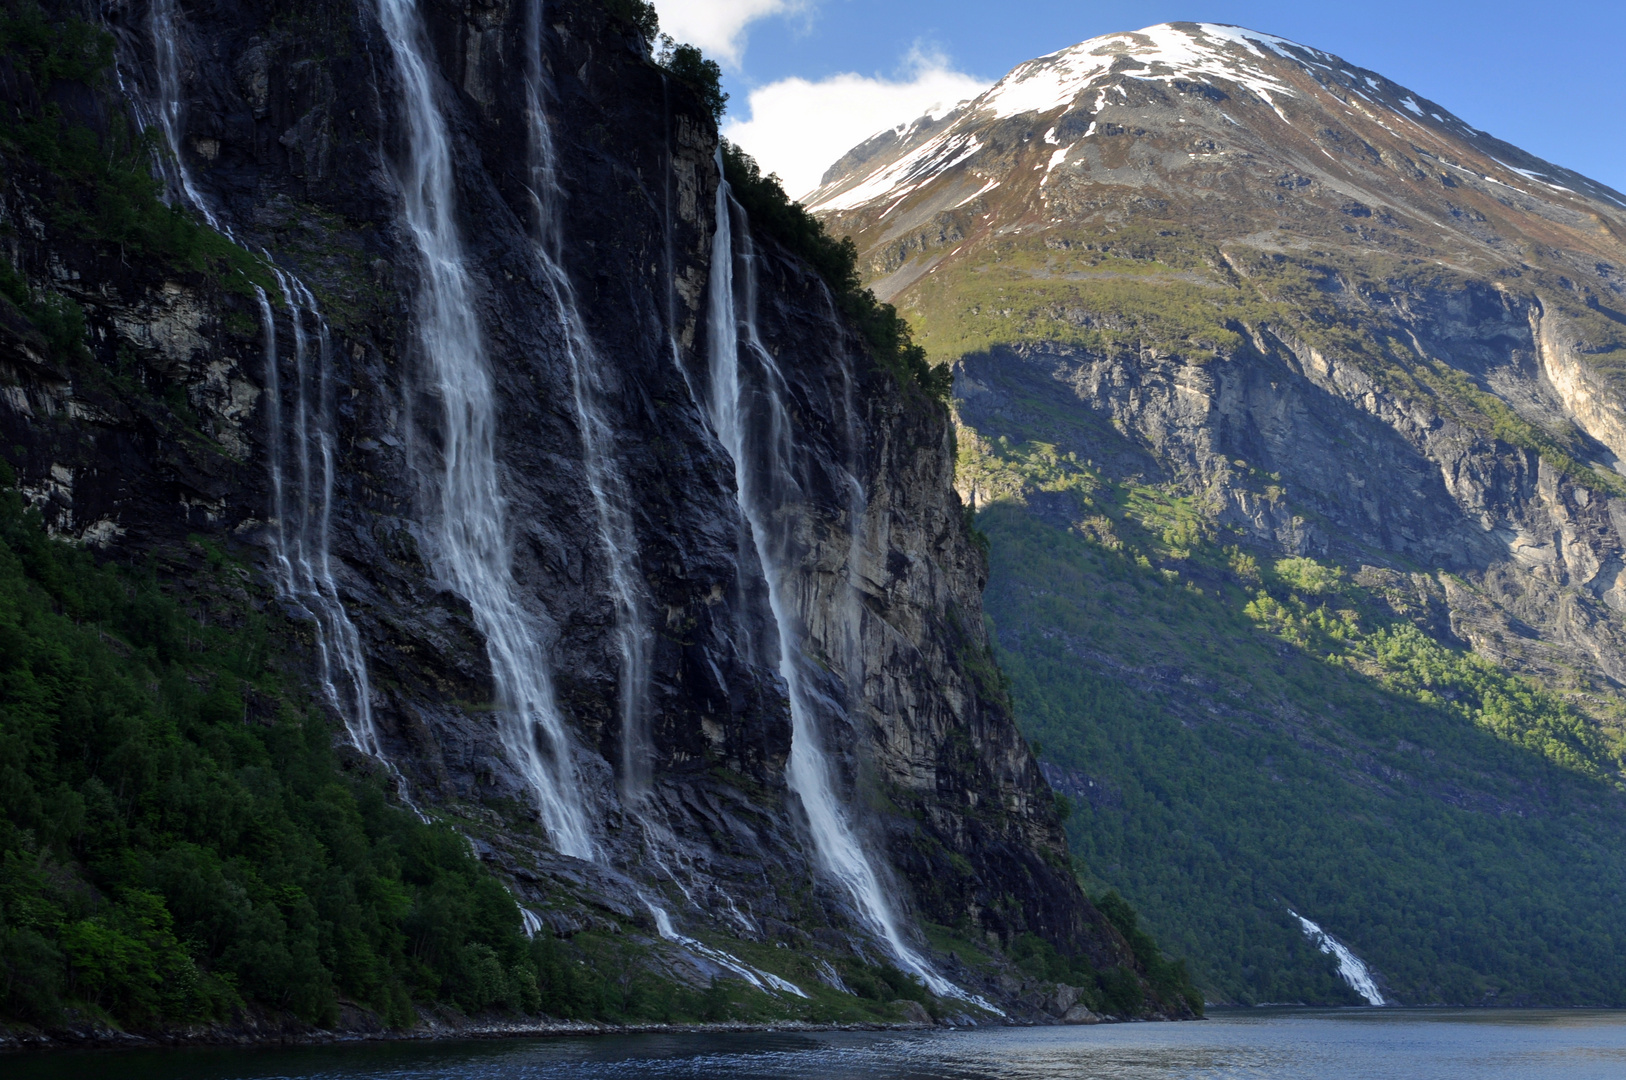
(1240, 736)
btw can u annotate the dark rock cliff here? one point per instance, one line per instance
(290, 133)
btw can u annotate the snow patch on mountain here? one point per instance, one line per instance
(1164, 53)
(927, 161)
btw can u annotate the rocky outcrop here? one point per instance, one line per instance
(289, 131)
(1352, 325)
(1311, 455)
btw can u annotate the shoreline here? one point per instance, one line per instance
(253, 1037)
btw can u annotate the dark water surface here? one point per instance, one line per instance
(1301, 1044)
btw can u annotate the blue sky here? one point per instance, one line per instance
(815, 74)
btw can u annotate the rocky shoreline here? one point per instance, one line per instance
(359, 1025)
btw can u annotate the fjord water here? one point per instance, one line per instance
(1297, 1044)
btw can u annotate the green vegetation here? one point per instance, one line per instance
(1243, 734)
(1158, 286)
(59, 320)
(176, 835)
(776, 215)
(638, 14)
(90, 172)
(1116, 991)
(689, 66)
(686, 63)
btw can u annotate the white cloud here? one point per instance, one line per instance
(718, 26)
(799, 128)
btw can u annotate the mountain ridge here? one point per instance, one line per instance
(1282, 385)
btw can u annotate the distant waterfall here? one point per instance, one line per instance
(754, 428)
(612, 504)
(301, 512)
(1351, 968)
(472, 542)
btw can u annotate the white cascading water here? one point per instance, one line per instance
(766, 482)
(166, 40)
(612, 506)
(300, 527)
(1351, 968)
(611, 503)
(303, 525)
(765, 981)
(472, 542)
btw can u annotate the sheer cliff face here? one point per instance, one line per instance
(291, 132)
(1351, 325)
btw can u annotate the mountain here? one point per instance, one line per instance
(462, 567)
(1293, 407)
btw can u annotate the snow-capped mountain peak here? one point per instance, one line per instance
(1191, 107)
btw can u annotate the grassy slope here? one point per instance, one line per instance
(1266, 736)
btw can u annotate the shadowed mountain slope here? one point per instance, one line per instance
(1293, 406)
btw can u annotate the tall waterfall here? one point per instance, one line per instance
(612, 505)
(301, 511)
(1351, 968)
(472, 542)
(754, 428)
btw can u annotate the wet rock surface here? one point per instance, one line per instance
(291, 132)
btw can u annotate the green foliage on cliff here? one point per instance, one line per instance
(689, 65)
(1242, 734)
(58, 319)
(639, 14)
(88, 169)
(177, 839)
(774, 214)
(1116, 991)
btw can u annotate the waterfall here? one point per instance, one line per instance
(612, 504)
(472, 547)
(1351, 968)
(166, 40)
(302, 530)
(754, 428)
(766, 981)
(299, 528)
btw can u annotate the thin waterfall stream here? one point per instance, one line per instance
(754, 427)
(617, 536)
(301, 513)
(472, 544)
(612, 504)
(1351, 968)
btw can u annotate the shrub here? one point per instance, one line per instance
(775, 214)
(688, 65)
